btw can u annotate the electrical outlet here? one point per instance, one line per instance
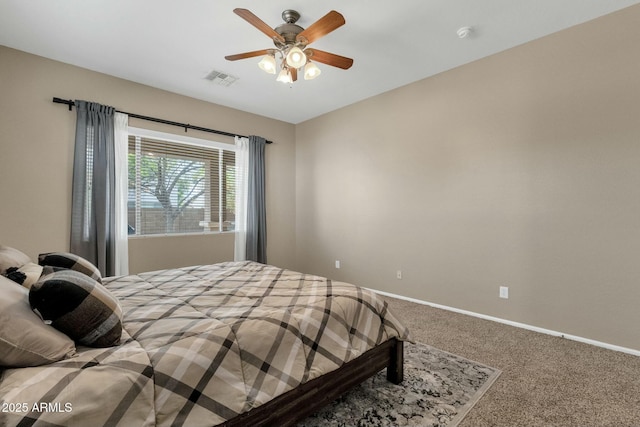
(504, 292)
(399, 274)
(337, 263)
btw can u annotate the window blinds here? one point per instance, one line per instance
(179, 188)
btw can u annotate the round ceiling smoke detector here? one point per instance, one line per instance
(464, 32)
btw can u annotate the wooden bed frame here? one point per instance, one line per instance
(297, 404)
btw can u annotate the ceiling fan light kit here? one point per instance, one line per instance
(268, 63)
(296, 57)
(291, 41)
(284, 76)
(311, 71)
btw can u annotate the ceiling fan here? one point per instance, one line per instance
(291, 41)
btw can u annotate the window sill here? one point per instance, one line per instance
(153, 236)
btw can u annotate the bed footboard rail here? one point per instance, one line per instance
(295, 405)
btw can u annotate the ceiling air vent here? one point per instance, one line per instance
(220, 78)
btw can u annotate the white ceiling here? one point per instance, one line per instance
(173, 45)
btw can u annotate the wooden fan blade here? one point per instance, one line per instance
(294, 74)
(246, 55)
(329, 58)
(252, 19)
(321, 27)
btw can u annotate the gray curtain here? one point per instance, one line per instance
(93, 197)
(256, 206)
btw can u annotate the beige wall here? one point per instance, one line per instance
(160, 252)
(518, 170)
(36, 151)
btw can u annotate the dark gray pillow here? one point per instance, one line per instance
(78, 306)
(71, 261)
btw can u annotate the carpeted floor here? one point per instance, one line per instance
(545, 381)
(439, 388)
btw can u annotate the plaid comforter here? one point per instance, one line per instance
(202, 345)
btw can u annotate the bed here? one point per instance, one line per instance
(232, 344)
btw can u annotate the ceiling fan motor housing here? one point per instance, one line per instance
(289, 30)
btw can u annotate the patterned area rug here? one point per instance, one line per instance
(438, 390)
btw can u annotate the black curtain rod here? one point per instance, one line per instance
(185, 126)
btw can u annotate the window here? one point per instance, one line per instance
(179, 184)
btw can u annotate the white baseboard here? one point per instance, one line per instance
(516, 324)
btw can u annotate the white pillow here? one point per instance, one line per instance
(25, 340)
(32, 273)
(11, 257)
